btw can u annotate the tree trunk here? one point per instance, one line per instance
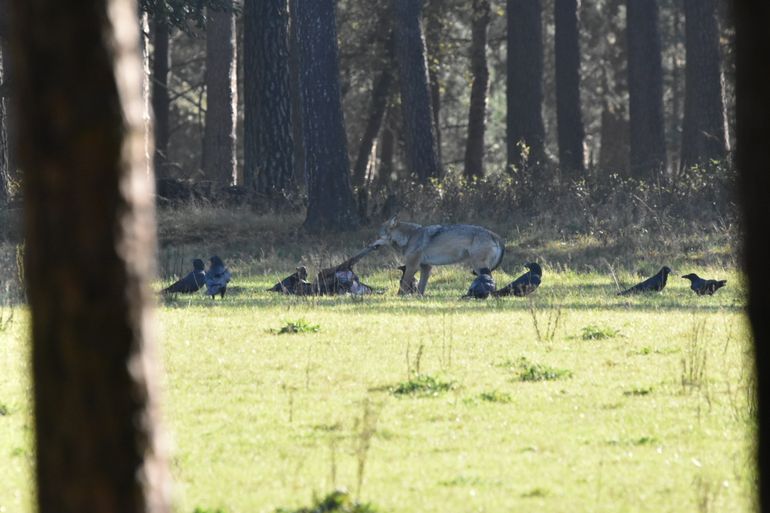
(380, 95)
(327, 168)
(160, 97)
(269, 144)
(524, 82)
(614, 137)
(5, 172)
(569, 119)
(474, 149)
(752, 19)
(419, 130)
(296, 103)
(90, 242)
(219, 139)
(645, 91)
(433, 27)
(387, 150)
(704, 135)
(144, 40)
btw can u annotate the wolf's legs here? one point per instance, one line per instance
(407, 279)
(424, 275)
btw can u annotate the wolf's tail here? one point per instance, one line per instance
(502, 254)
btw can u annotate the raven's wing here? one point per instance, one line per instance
(190, 283)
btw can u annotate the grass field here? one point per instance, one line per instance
(575, 400)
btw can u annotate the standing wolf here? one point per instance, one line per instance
(426, 246)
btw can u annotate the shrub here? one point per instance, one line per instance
(338, 501)
(422, 385)
(298, 326)
(529, 371)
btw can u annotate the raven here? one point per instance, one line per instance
(524, 284)
(292, 284)
(190, 283)
(704, 287)
(217, 278)
(653, 284)
(482, 286)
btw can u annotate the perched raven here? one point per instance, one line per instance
(704, 287)
(653, 284)
(190, 283)
(292, 284)
(524, 284)
(217, 278)
(482, 286)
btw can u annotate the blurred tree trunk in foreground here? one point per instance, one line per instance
(704, 133)
(161, 30)
(474, 148)
(327, 168)
(269, 140)
(569, 119)
(752, 155)
(524, 94)
(419, 129)
(90, 242)
(219, 139)
(645, 91)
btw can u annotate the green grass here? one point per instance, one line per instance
(658, 419)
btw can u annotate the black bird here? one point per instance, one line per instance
(704, 287)
(190, 283)
(482, 286)
(653, 284)
(292, 284)
(217, 278)
(524, 284)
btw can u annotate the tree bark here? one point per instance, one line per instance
(434, 25)
(160, 97)
(219, 138)
(569, 120)
(524, 82)
(752, 19)
(387, 150)
(269, 144)
(296, 103)
(477, 112)
(419, 130)
(5, 172)
(327, 168)
(645, 91)
(144, 40)
(90, 242)
(380, 95)
(704, 134)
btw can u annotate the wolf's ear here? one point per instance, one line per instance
(391, 223)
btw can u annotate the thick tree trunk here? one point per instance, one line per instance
(524, 82)
(704, 135)
(474, 149)
(752, 19)
(380, 94)
(645, 91)
(327, 168)
(160, 97)
(90, 243)
(569, 119)
(419, 130)
(219, 139)
(269, 145)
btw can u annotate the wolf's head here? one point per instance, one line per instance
(391, 233)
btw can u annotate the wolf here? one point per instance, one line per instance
(426, 246)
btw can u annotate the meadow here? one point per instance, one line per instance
(574, 399)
